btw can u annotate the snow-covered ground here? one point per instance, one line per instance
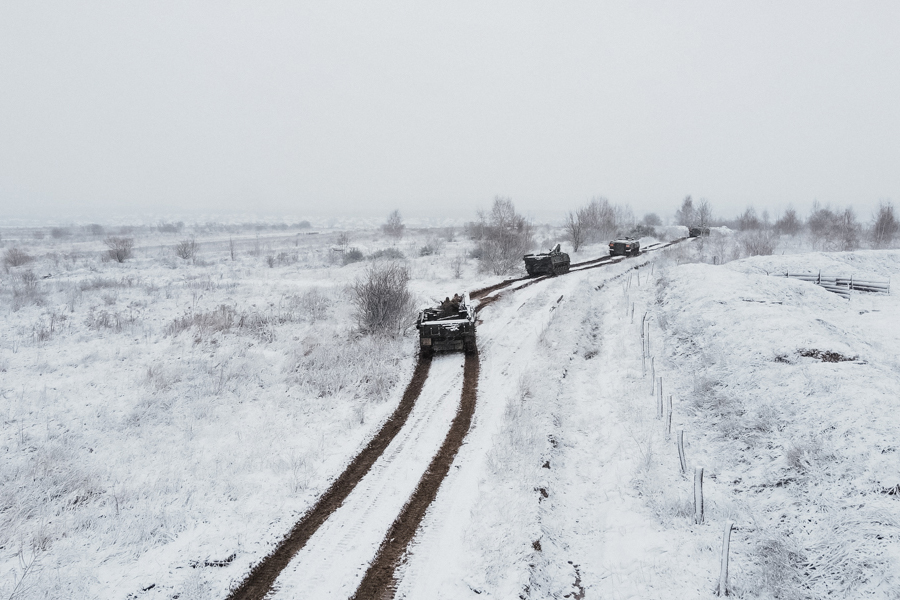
(161, 416)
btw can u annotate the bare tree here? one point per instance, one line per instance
(651, 220)
(507, 237)
(600, 219)
(575, 230)
(830, 230)
(848, 230)
(748, 221)
(758, 242)
(394, 226)
(820, 223)
(120, 248)
(382, 299)
(704, 213)
(885, 227)
(687, 214)
(789, 223)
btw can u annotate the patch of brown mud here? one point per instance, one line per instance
(259, 582)
(379, 581)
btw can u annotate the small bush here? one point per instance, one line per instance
(353, 255)
(187, 249)
(58, 233)
(758, 243)
(120, 248)
(382, 298)
(14, 257)
(387, 254)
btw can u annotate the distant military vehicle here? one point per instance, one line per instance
(554, 262)
(449, 326)
(625, 246)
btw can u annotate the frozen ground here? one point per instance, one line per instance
(162, 418)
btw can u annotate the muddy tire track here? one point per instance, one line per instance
(380, 581)
(259, 582)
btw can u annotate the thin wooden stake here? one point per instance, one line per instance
(723, 572)
(659, 401)
(652, 375)
(681, 458)
(698, 495)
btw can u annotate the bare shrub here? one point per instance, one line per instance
(13, 257)
(433, 245)
(120, 248)
(187, 249)
(224, 319)
(363, 367)
(353, 255)
(507, 236)
(758, 243)
(104, 320)
(387, 254)
(315, 305)
(382, 299)
(59, 233)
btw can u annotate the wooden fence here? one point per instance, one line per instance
(840, 284)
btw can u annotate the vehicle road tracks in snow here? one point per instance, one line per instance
(379, 581)
(259, 582)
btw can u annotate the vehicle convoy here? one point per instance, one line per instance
(449, 326)
(625, 246)
(554, 262)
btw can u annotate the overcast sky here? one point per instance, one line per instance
(319, 108)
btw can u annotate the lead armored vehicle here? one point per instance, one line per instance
(625, 246)
(554, 262)
(449, 326)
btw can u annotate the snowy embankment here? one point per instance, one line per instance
(789, 395)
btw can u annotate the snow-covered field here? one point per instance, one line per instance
(165, 422)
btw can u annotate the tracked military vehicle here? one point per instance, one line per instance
(625, 246)
(449, 326)
(554, 262)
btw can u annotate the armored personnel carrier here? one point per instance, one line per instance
(449, 326)
(554, 262)
(625, 246)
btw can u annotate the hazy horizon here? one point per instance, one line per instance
(351, 109)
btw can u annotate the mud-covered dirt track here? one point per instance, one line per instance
(379, 578)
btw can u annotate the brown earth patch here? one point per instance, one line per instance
(259, 582)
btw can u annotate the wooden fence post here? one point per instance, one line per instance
(698, 495)
(723, 571)
(669, 419)
(681, 451)
(652, 375)
(659, 401)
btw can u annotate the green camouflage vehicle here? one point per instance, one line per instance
(450, 326)
(554, 262)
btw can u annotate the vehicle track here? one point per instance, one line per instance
(335, 559)
(261, 577)
(379, 581)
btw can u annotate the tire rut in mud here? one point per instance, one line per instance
(380, 579)
(259, 582)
